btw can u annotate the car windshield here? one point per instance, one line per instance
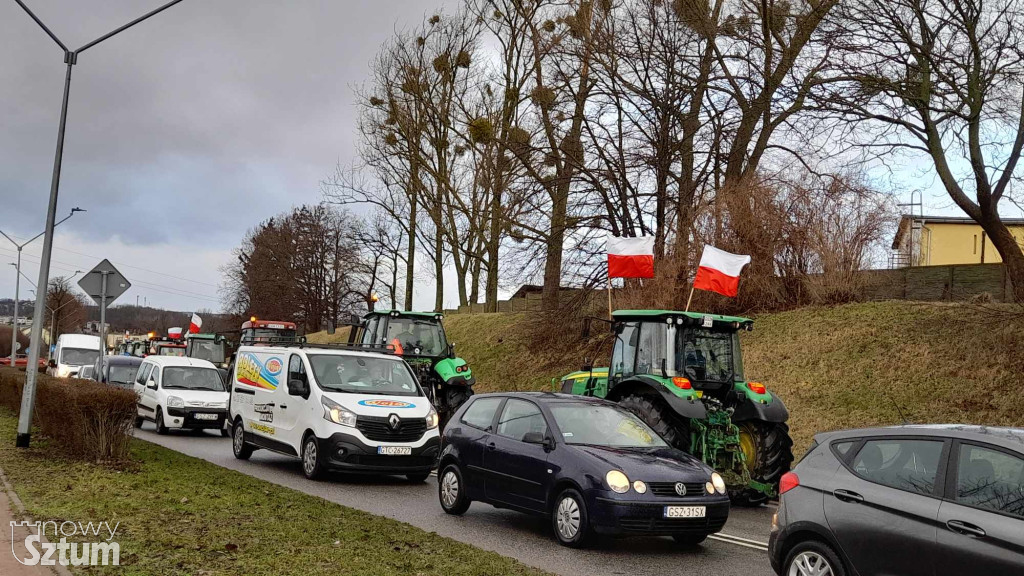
(192, 378)
(267, 335)
(122, 374)
(705, 355)
(208, 350)
(416, 336)
(79, 356)
(597, 425)
(362, 375)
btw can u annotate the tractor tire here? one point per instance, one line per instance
(672, 428)
(452, 399)
(772, 457)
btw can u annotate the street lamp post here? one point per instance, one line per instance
(28, 397)
(53, 311)
(17, 280)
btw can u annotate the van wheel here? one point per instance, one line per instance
(238, 445)
(161, 429)
(312, 461)
(138, 421)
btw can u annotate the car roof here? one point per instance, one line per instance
(179, 361)
(546, 397)
(123, 360)
(312, 349)
(989, 434)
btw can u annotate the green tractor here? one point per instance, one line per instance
(682, 373)
(419, 338)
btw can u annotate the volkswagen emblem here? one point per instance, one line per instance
(394, 420)
(680, 488)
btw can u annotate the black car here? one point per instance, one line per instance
(590, 465)
(117, 370)
(909, 500)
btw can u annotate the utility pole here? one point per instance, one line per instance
(17, 280)
(28, 398)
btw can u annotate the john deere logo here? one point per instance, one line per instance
(394, 421)
(680, 488)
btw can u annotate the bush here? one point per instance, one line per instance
(91, 421)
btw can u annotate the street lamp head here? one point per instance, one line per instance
(77, 209)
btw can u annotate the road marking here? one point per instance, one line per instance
(736, 540)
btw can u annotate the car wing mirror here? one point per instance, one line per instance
(533, 437)
(298, 387)
(152, 384)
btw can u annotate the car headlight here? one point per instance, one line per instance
(432, 419)
(175, 402)
(718, 482)
(617, 481)
(334, 412)
(640, 487)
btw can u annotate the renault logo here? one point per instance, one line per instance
(680, 488)
(394, 420)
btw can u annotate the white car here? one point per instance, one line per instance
(73, 351)
(180, 393)
(335, 409)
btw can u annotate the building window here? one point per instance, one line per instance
(975, 243)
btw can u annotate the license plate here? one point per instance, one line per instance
(394, 450)
(206, 416)
(685, 511)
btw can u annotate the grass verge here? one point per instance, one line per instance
(181, 515)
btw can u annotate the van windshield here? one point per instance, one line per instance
(362, 375)
(191, 378)
(79, 356)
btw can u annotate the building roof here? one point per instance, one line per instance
(907, 219)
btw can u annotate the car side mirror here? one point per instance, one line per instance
(151, 385)
(297, 387)
(533, 437)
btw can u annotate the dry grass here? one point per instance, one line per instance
(835, 367)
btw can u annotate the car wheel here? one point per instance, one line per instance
(569, 519)
(242, 450)
(417, 478)
(451, 491)
(813, 558)
(312, 461)
(689, 540)
(161, 429)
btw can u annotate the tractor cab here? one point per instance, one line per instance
(419, 338)
(210, 347)
(682, 373)
(257, 332)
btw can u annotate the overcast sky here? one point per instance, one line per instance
(182, 133)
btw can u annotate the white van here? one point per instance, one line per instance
(180, 393)
(335, 409)
(71, 353)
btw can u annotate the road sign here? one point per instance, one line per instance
(92, 283)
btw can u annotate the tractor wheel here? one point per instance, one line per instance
(769, 453)
(655, 413)
(453, 398)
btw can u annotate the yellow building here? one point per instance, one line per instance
(939, 240)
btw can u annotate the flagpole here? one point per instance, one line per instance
(609, 297)
(690, 299)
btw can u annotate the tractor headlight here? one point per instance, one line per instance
(617, 481)
(175, 402)
(337, 414)
(718, 482)
(432, 419)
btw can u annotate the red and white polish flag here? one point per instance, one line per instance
(719, 271)
(196, 324)
(630, 257)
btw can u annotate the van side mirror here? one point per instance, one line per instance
(298, 387)
(151, 384)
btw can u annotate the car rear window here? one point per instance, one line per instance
(480, 413)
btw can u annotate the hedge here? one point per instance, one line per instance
(91, 421)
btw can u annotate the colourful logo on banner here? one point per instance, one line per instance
(253, 372)
(386, 404)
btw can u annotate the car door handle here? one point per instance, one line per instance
(961, 527)
(848, 496)
(492, 446)
(283, 407)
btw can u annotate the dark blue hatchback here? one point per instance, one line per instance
(588, 464)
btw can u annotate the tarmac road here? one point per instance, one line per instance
(738, 551)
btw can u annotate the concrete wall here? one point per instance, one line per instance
(937, 283)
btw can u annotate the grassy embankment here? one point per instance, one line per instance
(179, 515)
(835, 367)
